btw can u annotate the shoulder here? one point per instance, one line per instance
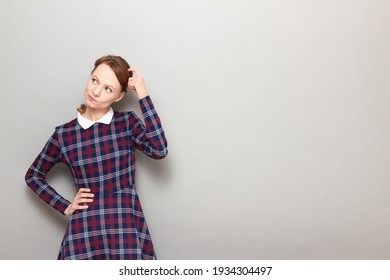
(66, 126)
(59, 130)
(66, 130)
(124, 116)
(127, 118)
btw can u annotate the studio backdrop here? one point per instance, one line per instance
(276, 114)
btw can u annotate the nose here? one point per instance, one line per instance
(96, 92)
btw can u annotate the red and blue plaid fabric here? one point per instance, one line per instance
(102, 158)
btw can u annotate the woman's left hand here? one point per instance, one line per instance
(136, 83)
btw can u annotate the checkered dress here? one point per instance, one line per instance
(102, 158)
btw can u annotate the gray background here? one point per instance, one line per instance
(276, 114)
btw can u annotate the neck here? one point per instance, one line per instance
(95, 114)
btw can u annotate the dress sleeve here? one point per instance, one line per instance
(36, 175)
(149, 138)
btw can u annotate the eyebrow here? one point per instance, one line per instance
(93, 75)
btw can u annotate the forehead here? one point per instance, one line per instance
(106, 75)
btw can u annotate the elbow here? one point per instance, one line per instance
(28, 177)
(161, 154)
(161, 151)
(31, 176)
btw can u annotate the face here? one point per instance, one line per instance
(103, 88)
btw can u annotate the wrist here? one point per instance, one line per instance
(67, 211)
(141, 94)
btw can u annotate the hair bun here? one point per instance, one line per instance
(82, 109)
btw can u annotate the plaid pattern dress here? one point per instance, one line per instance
(102, 158)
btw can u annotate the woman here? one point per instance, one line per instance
(106, 219)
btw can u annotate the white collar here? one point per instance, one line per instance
(85, 123)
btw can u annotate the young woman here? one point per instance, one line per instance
(106, 219)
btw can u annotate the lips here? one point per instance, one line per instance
(90, 98)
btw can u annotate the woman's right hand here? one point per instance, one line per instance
(80, 201)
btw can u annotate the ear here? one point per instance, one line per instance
(121, 95)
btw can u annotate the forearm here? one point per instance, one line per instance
(36, 175)
(151, 137)
(46, 192)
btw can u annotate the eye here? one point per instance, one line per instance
(107, 89)
(94, 81)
